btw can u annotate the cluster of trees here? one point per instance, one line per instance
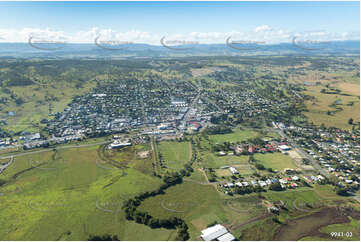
(226, 146)
(219, 119)
(276, 187)
(260, 166)
(2, 182)
(221, 129)
(249, 189)
(170, 179)
(348, 190)
(145, 218)
(211, 175)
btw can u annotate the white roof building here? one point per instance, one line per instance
(246, 184)
(295, 178)
(213, 232)
(226, 237)
(233, 170)
(239, 184)
(284, 147)
(262, 183)
(216, 232)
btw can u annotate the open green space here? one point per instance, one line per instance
(199, 205)
(210, 160)
(175, 154)
(237, 136)
(347, 108)
(67, 195)
(276, 161)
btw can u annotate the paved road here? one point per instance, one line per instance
(193, 104)
(58, 148)
(2, 168)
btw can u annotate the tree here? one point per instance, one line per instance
(342, 192)
(259, 166)
(276, 187)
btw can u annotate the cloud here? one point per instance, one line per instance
(264, 33)
(262, 28)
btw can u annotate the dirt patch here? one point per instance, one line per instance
(143, 154)
(295, 155)
(200, 224)
(309, 225)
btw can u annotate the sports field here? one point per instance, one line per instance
(210, 160)
(276, 161)
(175, 154)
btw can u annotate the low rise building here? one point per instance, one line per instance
(217, 232)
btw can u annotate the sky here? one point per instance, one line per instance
(204, 22)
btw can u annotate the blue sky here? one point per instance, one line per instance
(150, 19)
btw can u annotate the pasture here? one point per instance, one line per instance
(318, 109)
(67, 195)
(197, 204)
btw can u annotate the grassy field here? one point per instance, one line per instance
(237, 135)
(197, 176)
(198, 204)
(175, 154)
(210, 160)
(71, 196)
(276, 161)
(318, 109)
(36, 104)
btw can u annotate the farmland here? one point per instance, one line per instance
(347, 108)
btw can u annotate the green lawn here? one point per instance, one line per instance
(276, 161)
(237, 135)
(175, 154)
(210, 160)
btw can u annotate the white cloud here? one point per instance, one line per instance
(264, 33)
(262, 28)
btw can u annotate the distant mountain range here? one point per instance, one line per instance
(25, 50)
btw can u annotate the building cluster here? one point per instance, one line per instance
(285, 181)
(337, 151)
